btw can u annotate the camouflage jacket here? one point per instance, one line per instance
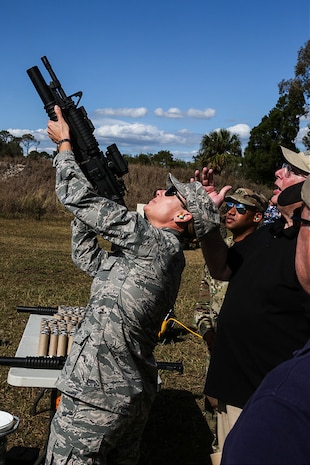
(133, 288)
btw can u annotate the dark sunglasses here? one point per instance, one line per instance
(240, 207)
(172, 191)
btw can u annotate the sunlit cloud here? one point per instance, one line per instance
(38, 134)
(201, 114)
(135, 137)
(190, 113)
(138, 133)
(241, 130)
(141, 112)
(138, 112)
(171, 113)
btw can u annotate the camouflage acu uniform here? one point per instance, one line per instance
(110, 378)
(211, 296)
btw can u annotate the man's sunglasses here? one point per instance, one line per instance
(240, 207)
(173, 191)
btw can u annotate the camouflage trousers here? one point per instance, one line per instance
(82, 434)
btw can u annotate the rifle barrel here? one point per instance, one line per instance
(37, 310)
(40, 362)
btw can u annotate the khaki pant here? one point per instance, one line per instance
(226, 418)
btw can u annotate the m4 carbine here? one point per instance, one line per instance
(104, 171)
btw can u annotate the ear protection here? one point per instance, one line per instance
(181, 217)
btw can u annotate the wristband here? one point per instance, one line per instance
(61, 141)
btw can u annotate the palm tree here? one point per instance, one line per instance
(218, 149)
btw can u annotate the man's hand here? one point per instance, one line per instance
(58, 130)
(205, 177)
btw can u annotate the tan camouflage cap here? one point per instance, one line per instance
(205, 213)
(300, 160)
(249, 197)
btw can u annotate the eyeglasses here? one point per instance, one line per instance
(173, 191)
(240, 207)
(292, 169)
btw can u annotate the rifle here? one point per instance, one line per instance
(37, 310)
(104, 171)
(39, 362)
(57, 363)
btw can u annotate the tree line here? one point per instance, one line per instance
(221, 150)
(13, 147)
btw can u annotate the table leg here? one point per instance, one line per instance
(53, 400)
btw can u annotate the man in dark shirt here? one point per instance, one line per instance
(274, 425)
(264, 318)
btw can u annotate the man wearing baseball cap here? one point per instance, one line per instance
(298, 160)
(248, 198)
(243, 214)
(294, 170)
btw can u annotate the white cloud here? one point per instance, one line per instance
(191, 113)
(241, 130)
(171, 113)
(138, 112)
(136, 137)
(39, 134)
(138, 133)
(201, 114)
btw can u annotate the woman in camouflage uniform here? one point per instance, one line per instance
(110, 378)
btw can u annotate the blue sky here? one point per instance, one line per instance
(155, 75)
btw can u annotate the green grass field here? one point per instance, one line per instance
(36, 270)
